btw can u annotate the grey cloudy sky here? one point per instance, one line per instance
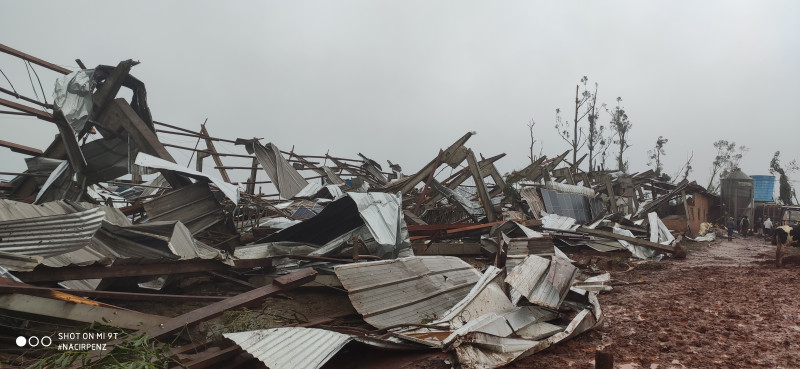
(398, 80)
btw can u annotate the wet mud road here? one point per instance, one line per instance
(725, 306)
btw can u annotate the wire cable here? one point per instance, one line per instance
(9, 82)
(40, 82)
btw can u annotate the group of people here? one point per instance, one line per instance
(761, 228)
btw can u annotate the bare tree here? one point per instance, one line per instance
(654, 155)
(533, 141)
(576, 137)
(785, 190)
(621, 127)
(595, 139)
(685, 169)
(725, 162)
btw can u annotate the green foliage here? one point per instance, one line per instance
(132, 351)
(726, 161)
(654, 155)
(621, 127)
(785, 190)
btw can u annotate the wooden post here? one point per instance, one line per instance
(217, 160)
(480, 186)
(251, 184)
(603, 359)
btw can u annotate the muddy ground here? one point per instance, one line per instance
(725, 306)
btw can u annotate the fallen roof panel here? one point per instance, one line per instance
(50, 235)
(149, 161)
(408, 290)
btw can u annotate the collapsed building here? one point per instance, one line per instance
(104, 213)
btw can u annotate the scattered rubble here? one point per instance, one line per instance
(469, 265)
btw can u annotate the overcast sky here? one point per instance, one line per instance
(399, 80)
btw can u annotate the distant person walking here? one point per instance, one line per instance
(758, 227)
(745, 226)
(731, 224)
(768, 227)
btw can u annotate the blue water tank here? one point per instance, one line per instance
(763, 187)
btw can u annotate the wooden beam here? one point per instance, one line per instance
(110, 295)
(78, 312)
(48, 274)
(210, 146)
(633, 240)
(22, 149)
(119, 115)
(483, 194)
(193, 317)
(431, 167)
(33, 59)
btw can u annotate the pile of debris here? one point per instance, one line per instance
(81, 226)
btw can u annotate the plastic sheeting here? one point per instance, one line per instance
(73, 96)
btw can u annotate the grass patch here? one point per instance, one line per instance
(132, 351)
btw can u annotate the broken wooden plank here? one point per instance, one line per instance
(633, 240)
(426, 171)
(78, 312)
(483, 194)
(193, 317)
(111, 295)
(48, 274)
(22, 149)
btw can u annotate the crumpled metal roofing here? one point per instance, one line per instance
(543, 282)
(302, 348)
(46, 231)
(474, 209)
(407, 290)
(342, 219)
(285, 178)
(194, 205)
(151, 242)
(558, 222)
(149, 161)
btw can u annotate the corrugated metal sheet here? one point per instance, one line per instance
(380, 212)
(106, 158)
(194, 206)
(302, 348)
(530, 196)
(567, 204)
(383, 214)
(332, 176)
(285, 178)
(474, 209)
(543, 282)
(60, 186)
(568, 188)
(558, 222)
(151, 242)
(49, 235)
(486, 296)
(290, 348)
(149, 161)
(408, 290)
